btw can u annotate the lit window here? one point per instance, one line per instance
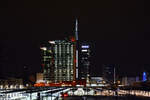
(52, 42)
(84, 50)
(85, 46)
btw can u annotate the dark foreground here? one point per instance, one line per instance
(104, 98)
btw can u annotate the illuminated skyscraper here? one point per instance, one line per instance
(84, 60)
(66, 60)
(58, 61)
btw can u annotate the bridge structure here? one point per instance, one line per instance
(54, 93)
(32, 93)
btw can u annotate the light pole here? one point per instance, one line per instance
(114, 75)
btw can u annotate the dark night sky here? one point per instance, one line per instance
(119, 31)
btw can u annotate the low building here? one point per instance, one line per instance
(127, 81)
(39, 78)
(97, 81)
(11, 83)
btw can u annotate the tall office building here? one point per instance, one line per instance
(59, 61)
(109, 73)
(84, 60)
(66, 60)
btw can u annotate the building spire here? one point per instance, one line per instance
(76, 29)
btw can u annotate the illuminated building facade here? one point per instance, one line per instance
(39, 77)
(84, 60)
(66, 60)
(59, 61)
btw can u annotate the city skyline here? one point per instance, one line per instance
(119, 36)
(74, 50)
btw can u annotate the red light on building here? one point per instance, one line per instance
(75, 60)
(72, 39)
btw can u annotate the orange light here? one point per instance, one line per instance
(72, 39)
(65, 95)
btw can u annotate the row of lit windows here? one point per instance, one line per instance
(63, 53)
(64, 58)
(63, 45)
(63, 61)
(63, 65)
(64, 77)
(63, 70)
(63, 48)
(47, 57)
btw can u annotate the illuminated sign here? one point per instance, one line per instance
(144, 76)
(84, 50)
(85, 46)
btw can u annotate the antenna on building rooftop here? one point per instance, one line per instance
(76, 29)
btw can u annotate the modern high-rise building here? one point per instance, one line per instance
(84, 60)
(66, 60)
(59, 61)
(109, 73)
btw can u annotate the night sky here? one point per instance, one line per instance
(119, 31)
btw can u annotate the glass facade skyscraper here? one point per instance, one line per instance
(59, 61)
(84, 60)
(66, 60)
